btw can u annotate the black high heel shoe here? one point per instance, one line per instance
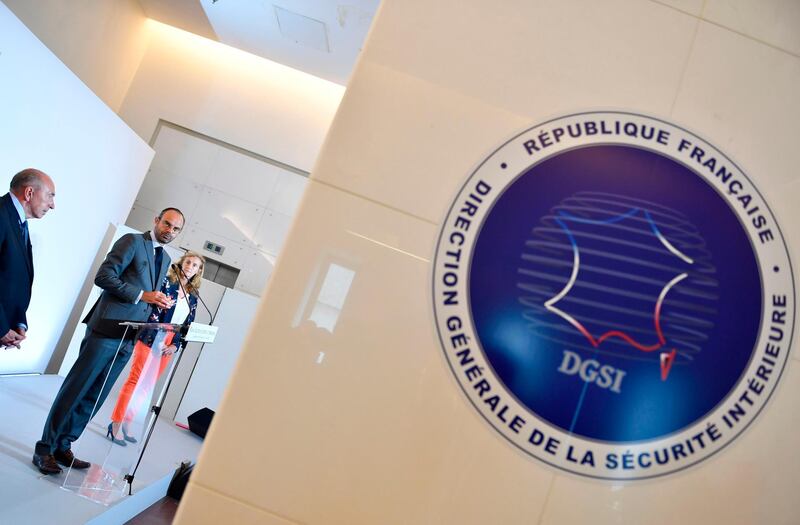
(110, 435)
(126, 437)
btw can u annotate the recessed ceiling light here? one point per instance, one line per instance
(302, 29)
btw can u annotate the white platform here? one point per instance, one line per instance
(28, 497)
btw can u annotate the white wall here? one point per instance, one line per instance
(234, 199)
(102, 42)
(53, 122)
(212, 294)
(378, 431)
(242, 100)
(230, 95)
(216, 361)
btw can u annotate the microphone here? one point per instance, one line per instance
(179, 269)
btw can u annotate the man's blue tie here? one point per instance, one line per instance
(23, 227)
(159, 258)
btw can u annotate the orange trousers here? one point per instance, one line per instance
(141, 381)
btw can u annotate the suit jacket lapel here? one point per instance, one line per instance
(151, 264)
(13, 219)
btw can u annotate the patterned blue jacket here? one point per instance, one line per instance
(164, 315)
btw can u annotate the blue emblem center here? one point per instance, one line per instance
(615, 293)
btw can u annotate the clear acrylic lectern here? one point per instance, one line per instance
(134, 401)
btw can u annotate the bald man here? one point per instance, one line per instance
(31, 195)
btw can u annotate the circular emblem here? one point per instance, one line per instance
(613, 295)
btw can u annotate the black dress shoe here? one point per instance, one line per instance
(46, 464)
(68, 459)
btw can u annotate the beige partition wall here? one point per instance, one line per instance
(343, 408)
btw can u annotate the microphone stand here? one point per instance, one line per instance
(156, 409)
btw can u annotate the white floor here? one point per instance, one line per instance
(27, 497)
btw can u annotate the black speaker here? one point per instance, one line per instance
(179, 480)
(200, 421)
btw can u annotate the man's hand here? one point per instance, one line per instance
(156, 298)
(11, 338)
(169, 350)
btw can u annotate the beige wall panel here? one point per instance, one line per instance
(539, 58)
(774, 22)
(362, 421)
(101, 42)
(692, 7)
(201, 506)
(361, 425)
(430, 109)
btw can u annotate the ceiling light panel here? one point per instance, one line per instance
(320, 37)
(302, 30)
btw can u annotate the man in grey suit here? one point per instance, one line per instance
(130, 277)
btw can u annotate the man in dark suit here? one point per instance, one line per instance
(130, 277)
(30, 196)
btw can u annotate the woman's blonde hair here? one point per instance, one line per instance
(194, 282)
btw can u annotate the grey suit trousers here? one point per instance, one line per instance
(84, 390)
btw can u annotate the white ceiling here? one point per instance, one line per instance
(320, 37)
